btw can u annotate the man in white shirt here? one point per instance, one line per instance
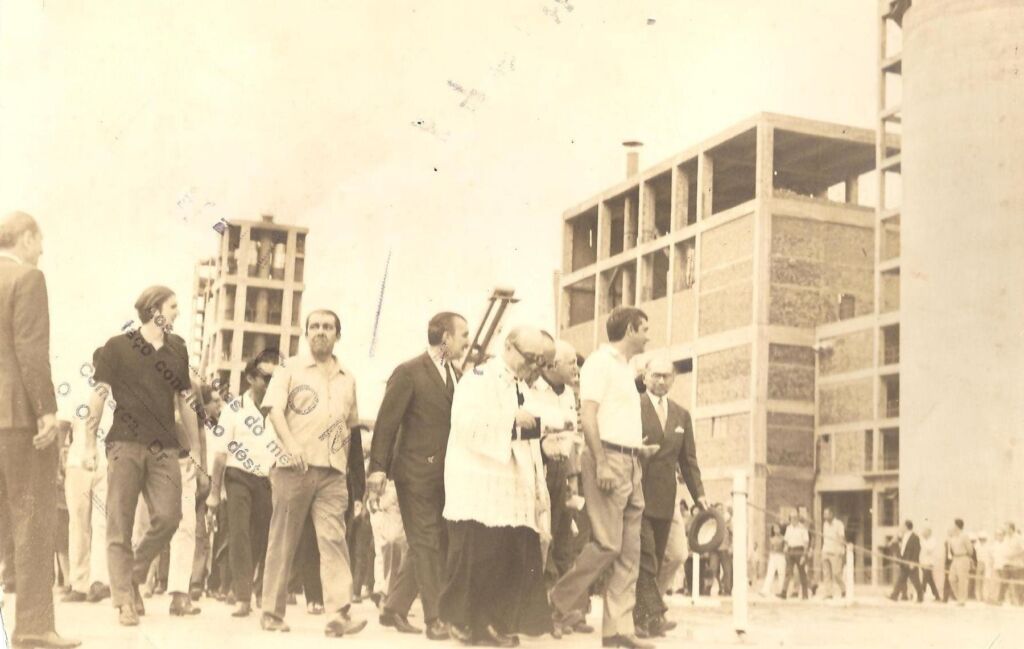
(795, 542)
(931, 562)
(611, 482)
(241, 462)
(833, 553)
(496, 501)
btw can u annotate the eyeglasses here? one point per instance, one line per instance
(260, 374)
(537, 360)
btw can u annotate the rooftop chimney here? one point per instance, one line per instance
(632, 157)
(268, 218)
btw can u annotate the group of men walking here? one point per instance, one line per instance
(491, 470)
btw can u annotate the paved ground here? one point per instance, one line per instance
(870, 623)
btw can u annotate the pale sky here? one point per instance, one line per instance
(453, 134)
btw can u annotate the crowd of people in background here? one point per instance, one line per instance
(502, 497)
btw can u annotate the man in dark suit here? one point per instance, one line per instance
(409, 443)
(667, 425)
(908, 549)
(28, 429)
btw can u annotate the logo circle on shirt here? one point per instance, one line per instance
(302, 400)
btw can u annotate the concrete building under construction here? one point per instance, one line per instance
(248, 298)
(739, 250)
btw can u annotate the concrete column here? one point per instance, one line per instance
(680, 198)
(705, 179)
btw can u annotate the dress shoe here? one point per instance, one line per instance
(48, 640)
(270, 622)
(181, 605)
(659, 626)
(641, 631)
(126, 616)
(97, 592)
(583, 627)
(438, 630)
(566, 622)
(490, 637)
(314, 608)
(399, 622)
(627, 641)
(74, 596)
(140, 608)
(243, 610)
(343, 625)
(462, 634)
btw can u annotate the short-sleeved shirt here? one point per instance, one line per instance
(607, 379)
(248, 440)
(319, 406)
(143, 381)
(833, 537)
(796, 536)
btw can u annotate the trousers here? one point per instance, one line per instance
(134, 470)
(183, 541)
(615, 520)
(86, 493)
(323, 492)
(249, 509)
(28, 478)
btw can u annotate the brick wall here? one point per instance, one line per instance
(790, 439)
(790, 372)
(843, 402)
(722, 441)
(723, 375)
(849, 353)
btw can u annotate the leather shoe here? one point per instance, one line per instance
(243, 610)
(182, 605)
(342, 625)
(97, 592)
(627, 641)
(583, 627)
(438, 630)
(74, 596)
(314, 608)
(269, 622)
(490, 637)
(641, 631)
(399, 622)
(48, 640)
(461, 634)
(126, 616)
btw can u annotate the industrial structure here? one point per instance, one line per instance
(248, 298)
(741, 250)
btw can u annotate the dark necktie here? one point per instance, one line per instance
(449, 383)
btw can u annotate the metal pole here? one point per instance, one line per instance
(739, 552)
(848, 572)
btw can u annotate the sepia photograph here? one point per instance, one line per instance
(549, 323)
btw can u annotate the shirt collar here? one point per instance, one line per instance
(307, 360)
(14, 257)
(616, 354)
(435, 355)
(557, 389)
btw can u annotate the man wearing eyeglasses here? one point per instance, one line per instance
(242, 463)
(496, 501)
(611, 482)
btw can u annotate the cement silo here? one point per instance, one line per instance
(962, 284)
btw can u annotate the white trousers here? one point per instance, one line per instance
(776, 568)
(183, 543)
(86, 493)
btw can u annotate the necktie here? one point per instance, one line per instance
(662, 412)
(448, 381)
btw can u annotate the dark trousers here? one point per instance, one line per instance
(899, 589)
(560, 553)
(249, 509)
(220, 567)
(422, 570)
(928, 581)
(653, 540)
(201, 558)
(494, 577)
(795, 560)
(29, 477)
(132, 469)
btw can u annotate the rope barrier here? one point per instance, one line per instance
(886, 557)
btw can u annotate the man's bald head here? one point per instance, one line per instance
(659, 374)
(20, 235)
(524, 350)
(565, 352)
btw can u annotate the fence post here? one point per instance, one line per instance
(739, 552)
(848, 572)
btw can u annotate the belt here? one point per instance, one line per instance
(526, 433)
(625, 450)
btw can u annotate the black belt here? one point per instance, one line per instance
(526, 433)
(625, 450)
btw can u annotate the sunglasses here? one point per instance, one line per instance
(537, 360)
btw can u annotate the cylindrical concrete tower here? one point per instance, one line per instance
(962, 264)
